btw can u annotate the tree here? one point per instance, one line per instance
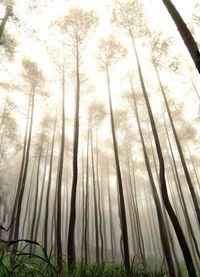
(34, 81)
(161, 221)
(184, 32)
(159, 49)
(124, 16)
(59, 177)
(110, 51)
(78, 25)
(47, 200)
(8, 13)
(96, 116)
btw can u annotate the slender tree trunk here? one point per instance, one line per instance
(110, 217)
(138, 224)
(164, 192)
(41, 197)
(83, 207)
(36, 197)
(161, 222)
(72, 217)
(193, 166)
(99, 201)
(24, 176)
(4, 20)
(120, 186)
(59, 179)
(184, 32)
(28, 200)
(14, 209)
(46, 219)
(104, 241)
(185, 168)
(86, 211)
(195, 89)
(95, 203)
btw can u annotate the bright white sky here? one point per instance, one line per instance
(156, 11)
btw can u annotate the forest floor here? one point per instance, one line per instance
(24, 264)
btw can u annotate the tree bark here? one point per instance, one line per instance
(4, 20)
(72, 217)
(120, 186)
(184, 32)
(161, 222)
(59, 179)
(178, 230)
(185, 168)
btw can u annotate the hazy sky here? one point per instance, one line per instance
(36, 50)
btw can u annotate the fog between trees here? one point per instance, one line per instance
(99, 131)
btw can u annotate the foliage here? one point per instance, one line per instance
(78, 25)
(32, 74)
(26, 264)
(130, 17)
(110, 51)
(9, 44)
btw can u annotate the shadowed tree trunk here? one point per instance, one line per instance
(112, 239)
(46, 219)
(185, 168)
(164, 192)
(120, 186)
(86, 211)
(83, 206)
(195, 89)
(14, 209)
(161, 222)
(72, 217)
(95, 203)
(36, 195)
(99, 202)
(23, 179)
(41, 197)
(180, 192)
(59, 178)
(28, 201)
(184, 32)
(4, 20)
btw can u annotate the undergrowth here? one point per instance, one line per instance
(24, 264)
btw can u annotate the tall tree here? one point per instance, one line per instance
(124, 16)
(34, 82)
(110, 52)
(159, 49)
(59, 177)
(8, 13)
(162, 225)
(78, 25)
(184, 32)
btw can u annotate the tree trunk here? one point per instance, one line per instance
(112, 239)
(164, 192)
(99, 201)
(48, 189)
(4, 20)
(161, 222)
(185, 169)
(59, 179)
(120, 186)
(95, 203)
(14, 209)
(72, 217)
(24, 176)
(41, 197)
(36, 197)
(184, 32)
(86, 229)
